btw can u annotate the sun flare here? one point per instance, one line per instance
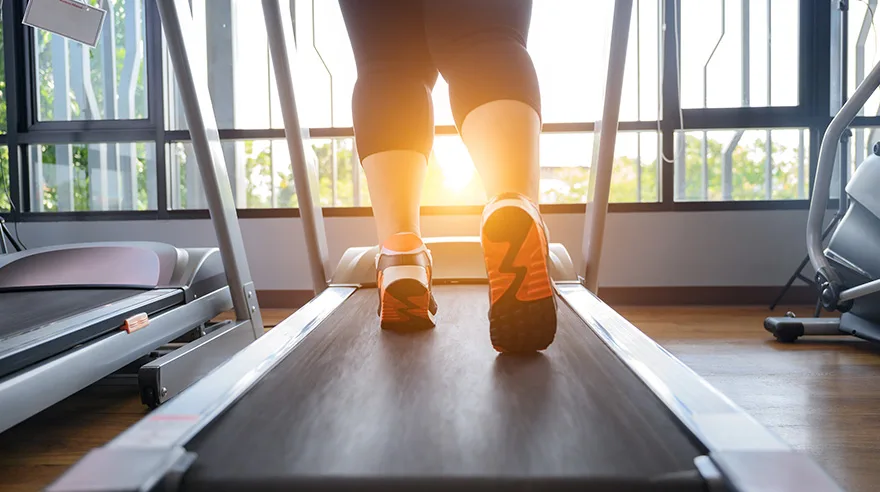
(455, 164)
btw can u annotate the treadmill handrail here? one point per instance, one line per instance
(825, 170)
(603, 164)
(304, 176)
(177, 23)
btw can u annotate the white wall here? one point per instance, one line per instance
(750, 248)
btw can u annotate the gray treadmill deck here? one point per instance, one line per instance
(29, 309)
(357, 402)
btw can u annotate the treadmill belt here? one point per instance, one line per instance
(26, 310)
(360, 405)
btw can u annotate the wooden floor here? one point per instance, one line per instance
(821, 397)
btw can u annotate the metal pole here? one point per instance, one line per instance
(825, 168)
(597, 210)
(177, 23)
(305, 177)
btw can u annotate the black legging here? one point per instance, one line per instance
(399, 45)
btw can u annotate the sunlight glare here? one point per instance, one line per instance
(455, 163)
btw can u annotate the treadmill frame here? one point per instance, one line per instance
(31, 390)
(741, 454)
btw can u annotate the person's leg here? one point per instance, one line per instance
(394, 131)
(480, 49)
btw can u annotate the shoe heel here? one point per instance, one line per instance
(522, 315)
(405, 306)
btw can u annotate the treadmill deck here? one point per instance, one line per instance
(356, 402)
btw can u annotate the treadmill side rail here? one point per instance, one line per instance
(29, 391)
(779, 470)
(175, 422)
(125, 470)
(736, 441)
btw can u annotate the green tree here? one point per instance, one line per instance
(748, 168)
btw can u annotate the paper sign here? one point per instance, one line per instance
(69, 18)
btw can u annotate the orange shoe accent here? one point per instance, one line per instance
(499, 281)
(533, 255)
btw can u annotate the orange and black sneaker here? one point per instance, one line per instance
(522, 307)
(403, 270)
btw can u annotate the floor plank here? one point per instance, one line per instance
(823, 397)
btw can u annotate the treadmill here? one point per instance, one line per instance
(328, 401)
(71, 315)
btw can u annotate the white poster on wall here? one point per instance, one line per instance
(69, 18)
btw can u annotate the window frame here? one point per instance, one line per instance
(24, 129)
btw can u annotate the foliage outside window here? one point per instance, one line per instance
(77, 82)
(723, 165)
(73, 178)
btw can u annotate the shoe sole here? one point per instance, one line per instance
(405, 307)
(522, 316)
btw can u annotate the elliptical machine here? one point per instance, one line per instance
(848, 270)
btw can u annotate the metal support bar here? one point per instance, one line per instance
(304, 176)
(177, 23)
(603, 163)
(164, 378)
(825, 169)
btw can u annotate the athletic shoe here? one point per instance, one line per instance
(403, 270)
(522, 307)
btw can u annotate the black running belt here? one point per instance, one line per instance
(357, 406)
(38, 324)
(22, 311)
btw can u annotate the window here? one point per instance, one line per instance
(565, 172)
(261, 174)
(76, 82)
(242, 85)
(725, 165)
(92, 177)
(739, 53)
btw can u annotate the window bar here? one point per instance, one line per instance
(638, 101)
(64, 172)
(104, 158)
(273, 178)
(862, 38)
(15, 110)
(681, 158)
(745, 70)
(768, 164)
(704, 175)
(162, 186)
(220, 24)
(800, 157)
(333, 162)
(195, 195)
(128, 82)
(334, 171)
(355, 174)
(704, 148)
(662, 135)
